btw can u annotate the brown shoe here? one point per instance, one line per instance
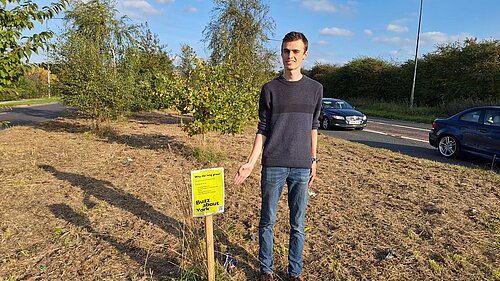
(296, 278)
(268, 276)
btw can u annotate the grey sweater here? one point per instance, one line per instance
(288, 111)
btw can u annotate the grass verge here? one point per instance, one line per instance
(421, 114)
(119, 208)
(29, 102)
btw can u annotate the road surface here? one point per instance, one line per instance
(404, 137)
(32, 114)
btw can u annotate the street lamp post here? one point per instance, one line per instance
(416, 55)
(48, 63)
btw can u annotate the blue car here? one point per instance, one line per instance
(336, 113)
(475, 131)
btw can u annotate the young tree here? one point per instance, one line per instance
(223, 92)
(16, 49)
(238, 34)
(90, 50)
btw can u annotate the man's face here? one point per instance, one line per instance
(293, 53)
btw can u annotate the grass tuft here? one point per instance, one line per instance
(208, 155)
(434, 266)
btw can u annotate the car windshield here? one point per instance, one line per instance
(336, 105)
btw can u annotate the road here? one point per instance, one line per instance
(28, 115)
(404, 137)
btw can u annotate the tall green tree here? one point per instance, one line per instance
(16, 49)
(222, 92)
(238, 33)
(90, 51)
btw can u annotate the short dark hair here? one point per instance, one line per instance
(294, 36)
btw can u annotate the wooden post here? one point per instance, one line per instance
(209, 229)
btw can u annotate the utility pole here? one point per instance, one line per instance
(412, 96)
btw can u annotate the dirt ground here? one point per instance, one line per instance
(75, 206)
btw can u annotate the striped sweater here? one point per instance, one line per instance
(288, 111)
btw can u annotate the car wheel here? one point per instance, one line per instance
(448, 146)
(325, 123)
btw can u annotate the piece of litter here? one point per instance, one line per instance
(386, 255)
(128, 161)
(229, 262)
(312, 193)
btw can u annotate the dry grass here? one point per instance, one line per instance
(77, 206)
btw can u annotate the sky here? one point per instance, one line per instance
(338, 30)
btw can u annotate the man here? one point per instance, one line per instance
(287, 132)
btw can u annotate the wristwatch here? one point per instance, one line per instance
(314, 159)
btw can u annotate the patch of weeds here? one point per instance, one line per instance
(416, 253)
(85, 209)
(23, 252)
(322, 141)
(58, 231)
(282, 251)
(335, 267)
(135, 277)
(5, 234)
(5, 124)
(434, 266)
(8, 261)
(122, 119)
(496, 274)
(460, 260)
(192, 274)
(233, 229)
(11, 278)
(491, 224)
(89, 135)
(208, 155)
(220, 273)
(101, 132)
(105, 132)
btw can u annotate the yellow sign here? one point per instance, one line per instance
(208, 191)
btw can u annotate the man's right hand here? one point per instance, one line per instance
(243, 173)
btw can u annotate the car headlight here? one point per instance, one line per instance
(364, 117)
(338, 117)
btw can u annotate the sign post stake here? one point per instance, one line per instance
(209, 229)
(208, 199)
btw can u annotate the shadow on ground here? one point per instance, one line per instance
(104, 190)
(153, 141)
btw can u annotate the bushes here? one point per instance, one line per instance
(218, 96)
(34, 84)
(453, 73)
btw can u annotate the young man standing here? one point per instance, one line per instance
(287, 132)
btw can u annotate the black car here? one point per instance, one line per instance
(336, 113)
(475, 131)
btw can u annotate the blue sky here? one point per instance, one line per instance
(338, 30)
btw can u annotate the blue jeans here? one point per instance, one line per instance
(272, 182)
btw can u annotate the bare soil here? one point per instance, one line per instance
(76, 206)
